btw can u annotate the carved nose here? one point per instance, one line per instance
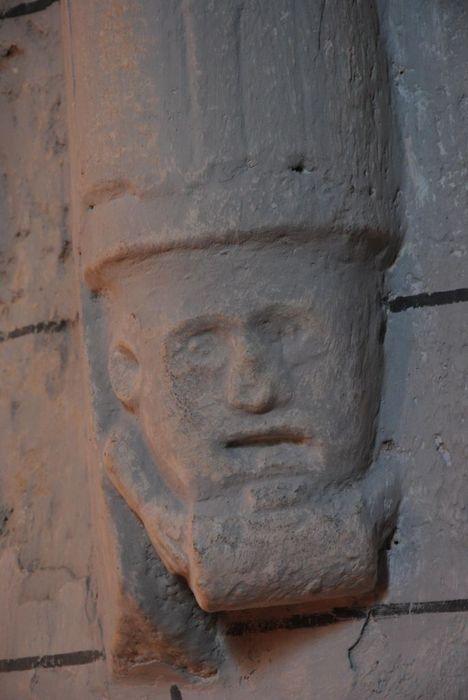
(251, 384)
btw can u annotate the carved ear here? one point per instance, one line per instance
(125, 375)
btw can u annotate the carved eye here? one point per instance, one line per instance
(279, 327)
(270, 328)
(302, 341)
(290, 328)
(201, 350)
(200, 346)
(124, 373)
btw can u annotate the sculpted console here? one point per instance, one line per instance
(253, 370)
(234, 211)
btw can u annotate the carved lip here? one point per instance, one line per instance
(268, 438)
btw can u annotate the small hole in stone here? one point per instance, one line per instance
(391, 540)
(298, 167)
(175, 693)
(10, 52)
(388, 445)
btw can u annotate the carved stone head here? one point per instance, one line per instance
(236, 213)
(253, 371)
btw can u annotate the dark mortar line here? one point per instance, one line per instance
(26, 8)
(41, 327)
(73, 658)
(78, 658)
(343, 614)
(416, 301)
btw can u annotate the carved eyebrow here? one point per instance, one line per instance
(281, 310)
(198, 325)
(208, 322)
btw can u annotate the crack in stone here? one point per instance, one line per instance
(322, 11)
(358, 640)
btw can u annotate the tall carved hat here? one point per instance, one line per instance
(214, 121)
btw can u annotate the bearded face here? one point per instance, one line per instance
(254, 376)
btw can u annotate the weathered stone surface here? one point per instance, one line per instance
(48, 601)
(423, 427)
(47, 584)
(419, 657)
(233, 350)
(35, 246)
(82, 683)
(6, 6)
(44, 547)
(413, 657)
(237, 271)
(428, 52)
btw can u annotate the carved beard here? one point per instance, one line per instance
(236, 554)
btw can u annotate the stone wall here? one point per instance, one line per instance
(413, 643)
(46, 591)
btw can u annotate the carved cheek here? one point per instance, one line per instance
(306, 360)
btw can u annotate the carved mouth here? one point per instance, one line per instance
(268, 439)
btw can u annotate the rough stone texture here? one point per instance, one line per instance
(79, 683)
(427, 47)
(180, 143)
(424, 428)
(240, 281)
(423, 422)
(411, 657)
(394, 659)
(47, 596)
(263, 447)
(45, 547)
(34, 175)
